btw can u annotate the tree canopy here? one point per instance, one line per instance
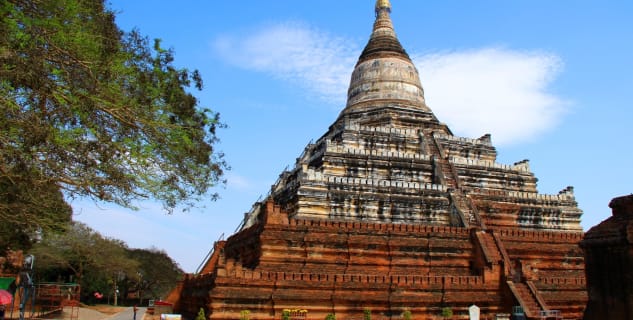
(157, 273)
(90, 110)
(81, 250)
(22, 219)
(84, 256)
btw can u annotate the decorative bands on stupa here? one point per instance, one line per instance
(384, 71)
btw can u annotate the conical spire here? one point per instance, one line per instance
(383, 39)
(384, 73)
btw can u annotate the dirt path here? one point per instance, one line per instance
(93, 313)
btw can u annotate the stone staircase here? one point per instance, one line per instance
(525, 293)
(444, 169)
(468, 210)
(489, 247)
(465, 213)
(448, 176)
(527, 299)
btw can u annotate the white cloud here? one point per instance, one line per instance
(493, 90)
(488, 90)
(320, 62)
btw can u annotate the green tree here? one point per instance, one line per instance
(89, 110)
(157, 273)
(20, 224)
(86, 255)
(100, 264)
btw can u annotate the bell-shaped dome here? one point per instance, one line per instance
(384, 72)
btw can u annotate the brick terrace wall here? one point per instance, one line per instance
(345, 267)
(354, 247)
(346, 294)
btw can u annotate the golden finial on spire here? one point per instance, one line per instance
(383, 4)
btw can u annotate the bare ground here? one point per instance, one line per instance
(98, 312)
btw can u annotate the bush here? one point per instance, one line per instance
(406, 314)
(330, 316)
(447, 312)
(245, 315)
(201, 315)
(367, 314)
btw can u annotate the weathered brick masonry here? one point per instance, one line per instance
(390, 211)
(608, 249)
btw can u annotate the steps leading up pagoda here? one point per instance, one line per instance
(389, 211)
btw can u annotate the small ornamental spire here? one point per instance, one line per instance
(383, 5)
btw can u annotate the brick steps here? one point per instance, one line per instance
(526, 299)
(489, 247)
(446, 171)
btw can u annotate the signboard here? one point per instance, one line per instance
(165, 316)
(473, 311)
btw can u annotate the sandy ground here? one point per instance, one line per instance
(94, 312)
(87, 313)
(99, 312)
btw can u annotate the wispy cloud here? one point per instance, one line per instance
(237, 182)
(486, 90)
(298, 53)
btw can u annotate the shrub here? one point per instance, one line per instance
(330, 316)
(200, 315)
(447, 312)
(406, 314)
(367, 314)
(245, 315)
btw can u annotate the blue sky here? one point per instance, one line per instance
(551, 81)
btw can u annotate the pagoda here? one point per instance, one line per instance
(389, 213)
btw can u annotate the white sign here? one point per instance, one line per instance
(165, 316)
(473, 311)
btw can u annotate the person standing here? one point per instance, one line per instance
(134, 309)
